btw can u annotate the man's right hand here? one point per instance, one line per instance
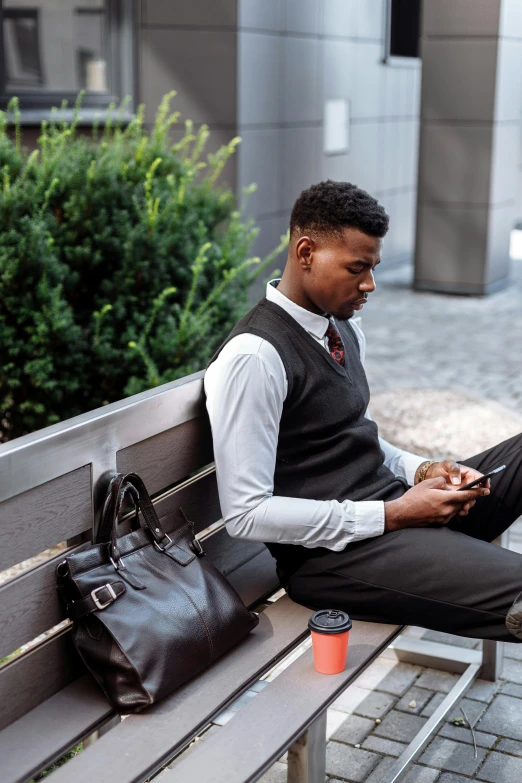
(430, 502)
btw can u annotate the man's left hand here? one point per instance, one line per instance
(456, 476)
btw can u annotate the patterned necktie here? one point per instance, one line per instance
(335, 344)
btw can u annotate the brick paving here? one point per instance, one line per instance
(419, 340)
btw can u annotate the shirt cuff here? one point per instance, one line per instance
(369, 519)
(411, 463)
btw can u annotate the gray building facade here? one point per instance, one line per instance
(311, 89)
(265, 70)
(470, 151)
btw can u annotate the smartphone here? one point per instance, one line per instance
(482, 479)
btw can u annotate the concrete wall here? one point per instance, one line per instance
(191, 46)
(469, 174)
(292, 56)
(263, 69)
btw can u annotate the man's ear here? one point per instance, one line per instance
(304, 250)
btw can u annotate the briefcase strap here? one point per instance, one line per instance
(100, 598)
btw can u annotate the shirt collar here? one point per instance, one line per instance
(312, 322)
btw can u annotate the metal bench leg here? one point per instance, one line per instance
(307, 756)
(492, 652)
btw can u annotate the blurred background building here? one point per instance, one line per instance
(315, 89)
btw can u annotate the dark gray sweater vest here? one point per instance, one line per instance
(327, 449)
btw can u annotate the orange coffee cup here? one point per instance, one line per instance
(330, 629)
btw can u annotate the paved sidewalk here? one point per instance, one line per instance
(421, 340)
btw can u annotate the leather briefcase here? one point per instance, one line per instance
(150, 611)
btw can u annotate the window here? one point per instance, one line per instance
(403, 28)
(52, 49)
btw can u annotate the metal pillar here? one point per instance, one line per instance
(307, 756)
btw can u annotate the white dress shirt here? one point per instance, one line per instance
(245, 388)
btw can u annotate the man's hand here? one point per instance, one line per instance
(456, 476)
(431, 502)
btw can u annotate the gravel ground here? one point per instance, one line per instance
(445, 371)
(442, 422)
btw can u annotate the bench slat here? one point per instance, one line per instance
(50, 453)
(30, 604)
(47, 732)
(243, 749)
(256, 579)
(142, 743)
(199, 500)
(229, 553)
(170, 456)
(31, 679)
(47, 515)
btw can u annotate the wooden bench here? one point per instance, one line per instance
(52, 485)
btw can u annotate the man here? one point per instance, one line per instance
(353, 522)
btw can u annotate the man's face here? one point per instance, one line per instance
(338, 271)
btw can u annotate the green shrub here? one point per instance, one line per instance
(122, 264)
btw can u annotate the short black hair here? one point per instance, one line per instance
(329, 207)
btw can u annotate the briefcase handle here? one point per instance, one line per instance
(123, 483)
(106, 515)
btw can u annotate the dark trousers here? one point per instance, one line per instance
(446, 578)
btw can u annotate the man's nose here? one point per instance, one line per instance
(368, 284)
